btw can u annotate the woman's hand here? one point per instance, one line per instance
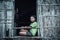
(23, 30)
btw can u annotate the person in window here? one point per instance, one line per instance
(33, 30)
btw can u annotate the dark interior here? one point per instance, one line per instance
(26, 8)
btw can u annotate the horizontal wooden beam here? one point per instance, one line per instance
(30, 37)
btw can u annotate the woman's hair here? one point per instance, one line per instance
(34, 17)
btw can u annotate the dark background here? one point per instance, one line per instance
(26, 8)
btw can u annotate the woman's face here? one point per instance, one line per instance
(32, 19)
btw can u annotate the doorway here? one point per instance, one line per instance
(23, 10)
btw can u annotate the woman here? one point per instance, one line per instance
(33, 30)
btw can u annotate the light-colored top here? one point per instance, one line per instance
(33, 30)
